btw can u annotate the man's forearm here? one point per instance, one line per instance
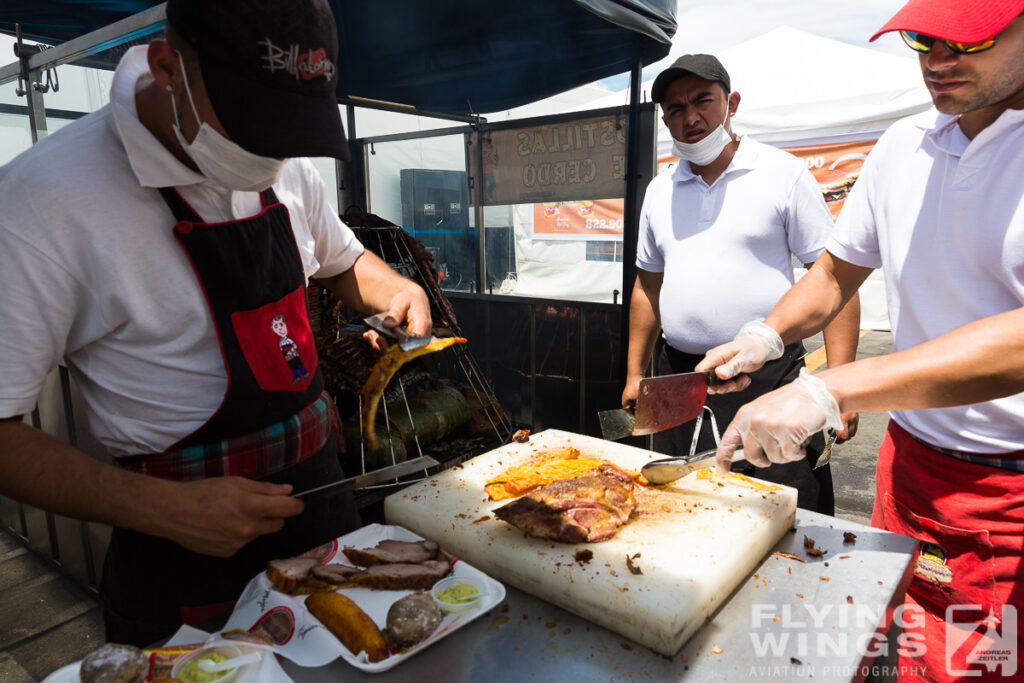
(816, 298)
(644, 327)
(370, 284)
(39, 470)
(842, 334)
(978, 362)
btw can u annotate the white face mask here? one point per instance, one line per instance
(705, 150)
(221, 160)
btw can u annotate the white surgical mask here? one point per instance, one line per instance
(705, 150)
(221, 160)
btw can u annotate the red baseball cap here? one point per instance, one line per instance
(961, 21)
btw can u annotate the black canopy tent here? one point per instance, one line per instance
(452, 56)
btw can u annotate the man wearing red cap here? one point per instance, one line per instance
(940, 207)
(152, 245)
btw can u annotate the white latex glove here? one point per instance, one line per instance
(755, 344)
(776, 426)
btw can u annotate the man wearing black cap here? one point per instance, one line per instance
(152, 245)
(939, 206)
(716, 237)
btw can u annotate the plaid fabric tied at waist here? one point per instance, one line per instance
(254, 455)
(1013, 461)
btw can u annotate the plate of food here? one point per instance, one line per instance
(209, 662)
(374, 597)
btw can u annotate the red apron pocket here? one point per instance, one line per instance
(954, 565)
(277, 343)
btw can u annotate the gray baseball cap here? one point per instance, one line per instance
(704, 66)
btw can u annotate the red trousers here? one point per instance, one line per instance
(964, 609)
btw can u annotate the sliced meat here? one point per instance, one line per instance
(411, 619)
(293, 576)
(393, 577)
(390, 552)
(583, 509)
(335, 574)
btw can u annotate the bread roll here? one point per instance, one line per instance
(114, 663)
(412, 619)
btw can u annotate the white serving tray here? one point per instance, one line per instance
(311, 644)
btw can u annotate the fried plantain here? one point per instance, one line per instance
(351, 625)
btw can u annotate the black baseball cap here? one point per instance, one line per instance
(704, 66)
(270, 68)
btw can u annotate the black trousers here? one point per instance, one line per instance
(814, 487)
(152, 585)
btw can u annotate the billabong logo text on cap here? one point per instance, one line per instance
(306, 66)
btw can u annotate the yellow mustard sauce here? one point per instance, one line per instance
(457, 594)
(193, 674)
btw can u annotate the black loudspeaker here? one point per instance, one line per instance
(435, 210)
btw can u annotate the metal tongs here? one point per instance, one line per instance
(398, 333)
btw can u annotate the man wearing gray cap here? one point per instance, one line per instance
(717, 235)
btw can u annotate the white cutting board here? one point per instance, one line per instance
(696, 539)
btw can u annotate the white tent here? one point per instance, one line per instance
(799, 88)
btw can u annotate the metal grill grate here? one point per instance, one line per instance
(408, 449)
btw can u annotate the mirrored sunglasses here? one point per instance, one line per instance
(919, 42)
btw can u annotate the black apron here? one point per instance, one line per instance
(250, 271)
(814, 487)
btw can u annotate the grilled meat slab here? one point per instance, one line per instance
(584, 509)
(391, 551)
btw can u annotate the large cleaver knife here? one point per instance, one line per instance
(661, 403)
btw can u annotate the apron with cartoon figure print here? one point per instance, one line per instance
(273, 424)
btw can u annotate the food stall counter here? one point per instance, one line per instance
(796, 616)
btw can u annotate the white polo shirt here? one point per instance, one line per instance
(943, 216)
(725, 250)
(90, 271)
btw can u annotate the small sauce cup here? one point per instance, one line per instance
(456, 594)
(182, 668)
